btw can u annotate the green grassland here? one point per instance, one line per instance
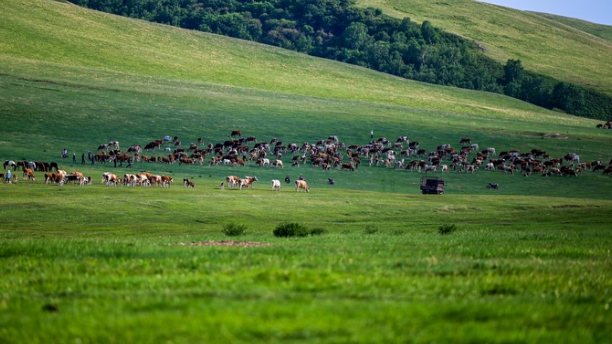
(599, 30)
(528, 263)
(544, 45)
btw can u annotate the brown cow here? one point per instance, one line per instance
(236, 133)
(247, 182)
(28, 173)
(301, 185)
(166, 181)
(348, 166)
(232, 181)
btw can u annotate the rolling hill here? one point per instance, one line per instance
(62, 45)
(599, 30)
(544, 45)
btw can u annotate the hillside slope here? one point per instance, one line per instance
(599, 30)
(63, 67)
(38, 35)
(543, 45)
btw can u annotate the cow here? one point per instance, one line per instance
(608, 171)
(236, 133)
(188, 183)
(135, 149)
(114, 145)
(103, 146)
(28, 173)
(53, 178)
(166, 181)
(276, 185)
(232, 181)
(465, 140)
(348, 166)
(301, 185)
(430, 168)
(247, 182)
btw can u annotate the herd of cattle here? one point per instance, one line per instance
(327, 154)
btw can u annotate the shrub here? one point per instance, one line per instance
(234, 229)
(371, 230)
(318, 231)
(290, 229)
(447, 229)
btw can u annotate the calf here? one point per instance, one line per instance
(188, 183)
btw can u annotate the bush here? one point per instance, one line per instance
(447, 229)
(371, 230)
(290, 229)
(234, 229)
(318, 231)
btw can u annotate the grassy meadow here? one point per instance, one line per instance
(527, 263)
(599, 30)
(567, 52)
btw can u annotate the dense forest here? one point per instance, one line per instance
(338, 30)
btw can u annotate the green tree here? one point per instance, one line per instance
(356, 36)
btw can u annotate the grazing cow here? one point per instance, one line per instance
(135, 149)
(263, 162)
(103, 146)
(232, 181)
(53, 178)
(236, 133)
(156, 180)
(114, 145)
(166, 181)
(608, 170)
(188, 183)
(493, 186)
(348, 166)
(331, 181)
(301, 185)
(276, 185)
(465, 140)
(278, 163)
(430, 168)
(247, 182)
(28, 173)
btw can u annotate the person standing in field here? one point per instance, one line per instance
(74, 158)
(372, 134)
(83, 159)
(8, 177)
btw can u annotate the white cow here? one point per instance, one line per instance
(276, 185)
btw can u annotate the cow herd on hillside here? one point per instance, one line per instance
(327, 154)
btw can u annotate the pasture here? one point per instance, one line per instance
(529, 262)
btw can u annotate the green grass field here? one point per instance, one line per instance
(528, 263)
(599, 30)
(548, 46)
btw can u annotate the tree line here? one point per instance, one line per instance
(338, 30)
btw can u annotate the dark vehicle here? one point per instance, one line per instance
(432, 186)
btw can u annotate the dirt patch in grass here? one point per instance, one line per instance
(225, 243)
